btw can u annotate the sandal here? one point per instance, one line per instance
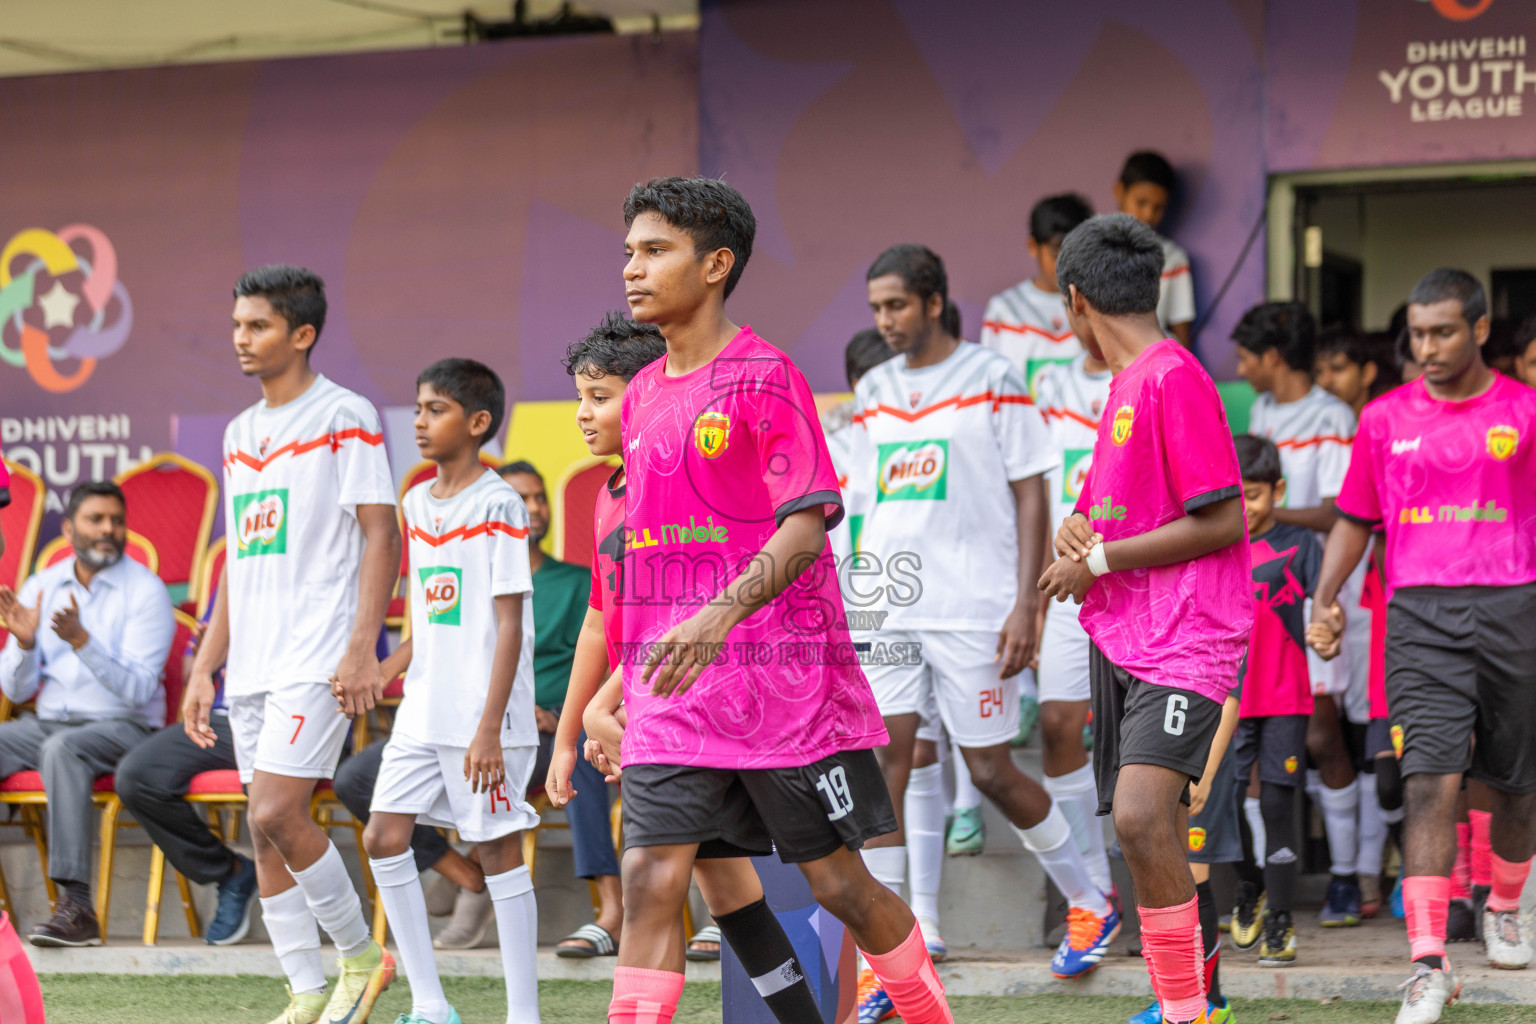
(709, 933)
(601, 940)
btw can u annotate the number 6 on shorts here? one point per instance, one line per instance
(1173, 717)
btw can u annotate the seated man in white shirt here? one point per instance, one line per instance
(89, 639)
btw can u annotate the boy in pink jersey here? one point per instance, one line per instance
(750, 722)
(603, 363)
(1446, 466)
(1277, 700)
(1157, 554)
(1276, 346)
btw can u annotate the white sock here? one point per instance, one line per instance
(925, 808)
(967, 796)
(1255, 816)
(1077, 794)
(406, 908)
(328, 889)
(1051, 841)
(1341, 808)
(517, 927)
(888, 864)
(295, 939)
(1373, 834)
(1392, 817)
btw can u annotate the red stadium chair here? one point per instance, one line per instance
(572, 501)
(20, 522)
(172, 501)
(139, 549)
(25, 789)
(208, 577)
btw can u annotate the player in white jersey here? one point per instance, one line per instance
(314, 551)
(958, 455)
(1145, 186)
(1027, 323)
(1072, 400)
(465, 737)
(1314, 431)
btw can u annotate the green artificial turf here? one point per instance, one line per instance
(244, 999)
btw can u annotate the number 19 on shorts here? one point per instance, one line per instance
(834, 788)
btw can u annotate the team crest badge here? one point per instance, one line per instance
(1397, 740)
(1120, 428)
(711, 433)
(261, 449)
(1097, 408)
(914, 398)
(1502, 441)
(437, 524)
(1290, 766)
(1196, 839)
(1055, 323)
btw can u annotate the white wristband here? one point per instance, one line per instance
(1098, 564)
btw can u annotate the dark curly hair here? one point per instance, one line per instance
(616, 347)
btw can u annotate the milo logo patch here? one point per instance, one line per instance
(913, 471)
(441, 591)
(1075, 463)
(261, 523)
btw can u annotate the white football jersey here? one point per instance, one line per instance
(293, 479)
(939, 446)
(465, 551)
(1029, 325)
(1176, 296)
(1314, 435)
(837, 425)
(1072, 400)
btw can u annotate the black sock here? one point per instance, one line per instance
(759, 942)
(74, 892)
(1434, 961)
(1278, 805)
(1210, 938)
(1248, 868)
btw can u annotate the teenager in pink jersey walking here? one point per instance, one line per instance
(1157, 554)
(1446, 466)
(751, 726)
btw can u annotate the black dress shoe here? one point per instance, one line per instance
(72, 924)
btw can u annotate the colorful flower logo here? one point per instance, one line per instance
(43, 279)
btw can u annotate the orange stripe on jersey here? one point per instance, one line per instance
(1176, 271)
(998, 325)
(1068, 414)
(958, 402)
(467, 532)
(1308, 442)
(332, 441)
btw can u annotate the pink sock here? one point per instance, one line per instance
(1461, 871)
(1482, 847)
(1175, 955)
(908, 976)
(1508, 883)
(642, 996)
(1426, 899)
